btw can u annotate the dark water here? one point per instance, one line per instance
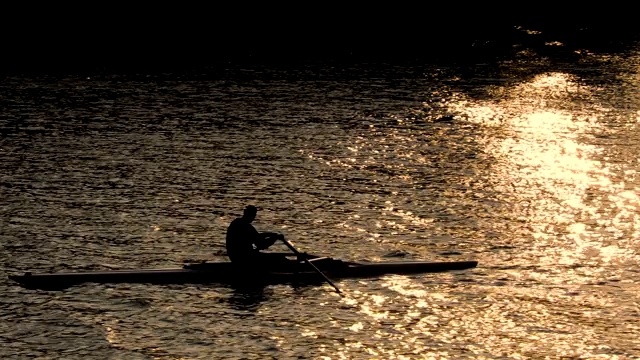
(529, 167)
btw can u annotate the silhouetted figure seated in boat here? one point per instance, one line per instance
(244, 243)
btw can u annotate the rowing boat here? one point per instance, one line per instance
(227, 272)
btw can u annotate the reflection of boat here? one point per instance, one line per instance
(227, 272)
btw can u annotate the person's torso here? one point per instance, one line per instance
(241, 236)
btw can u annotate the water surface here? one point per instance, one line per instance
(529, 167)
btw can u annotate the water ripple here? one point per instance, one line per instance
(534, 176)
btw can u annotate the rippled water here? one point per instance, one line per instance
(528, 167)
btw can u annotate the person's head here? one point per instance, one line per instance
(250, 213)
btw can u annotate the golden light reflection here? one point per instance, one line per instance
(548, 165)
(582, 217)
(548, 146)
(110, 335)
(309, 333)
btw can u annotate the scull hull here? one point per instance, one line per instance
(226, 272)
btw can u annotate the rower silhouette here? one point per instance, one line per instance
(244, 243)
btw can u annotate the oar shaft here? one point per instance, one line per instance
(294, 250)
(297, 253)
(323, 275)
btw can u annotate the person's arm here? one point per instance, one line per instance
(267, 239)
(268, 234)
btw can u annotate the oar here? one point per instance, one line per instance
(304, 258)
